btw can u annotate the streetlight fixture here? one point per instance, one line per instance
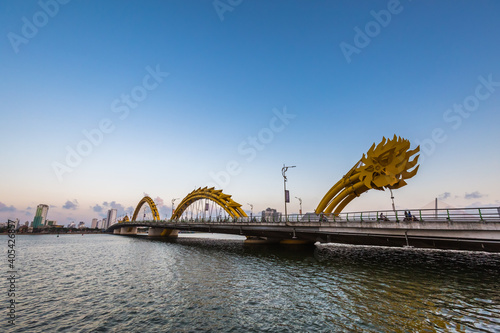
(173, 210)
(251, 210)
(300, 202)
(287, 195)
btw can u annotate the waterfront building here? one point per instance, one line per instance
(72, 225)
(52, 223)
(81, 225)
(270, 214)
(104, 223)
(93, 224)
(111, 219)
(40, 216)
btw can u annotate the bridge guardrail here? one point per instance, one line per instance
(450, 215)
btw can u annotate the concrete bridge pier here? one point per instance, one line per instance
(295, 242)
(117, 231)
(163, 232)
(128, 231)
(261, 240)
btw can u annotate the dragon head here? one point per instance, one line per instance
(387, 165)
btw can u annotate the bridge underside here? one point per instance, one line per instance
(475, 236)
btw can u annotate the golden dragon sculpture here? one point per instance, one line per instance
(385, 166)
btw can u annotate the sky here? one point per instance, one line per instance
(103, 102)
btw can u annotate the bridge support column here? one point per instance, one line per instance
(295, 242)
(163, 232)
(261, 240)
(116, 231)
(128, 231)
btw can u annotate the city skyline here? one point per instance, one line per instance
(105, 103)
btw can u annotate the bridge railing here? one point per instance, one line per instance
(480, 214)
(449, 215)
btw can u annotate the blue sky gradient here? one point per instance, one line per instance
(229, 74)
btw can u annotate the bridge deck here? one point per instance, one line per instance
(472, 229)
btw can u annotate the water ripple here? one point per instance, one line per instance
(107, 283)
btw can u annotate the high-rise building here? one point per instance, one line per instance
(94, 223)
(111, 218)
(104, 223)
(40, 216)
(270, 214)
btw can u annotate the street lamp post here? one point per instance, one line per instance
(287, 197)
(251, 210)
(300, 203)
(173, 210)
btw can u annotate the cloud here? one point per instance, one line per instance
(5, 208)
(71, 205)
(117, 206)
(163, 209)
(103, 209)
(159, 201)
(474, 195)
(444, 195)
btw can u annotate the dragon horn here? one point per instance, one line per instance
(409, 174)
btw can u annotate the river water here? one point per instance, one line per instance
(112, 283)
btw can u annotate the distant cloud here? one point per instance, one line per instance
(145, 194)
(71, 205)
(444, 195)
(5, 208)
(103, 209)
(474, 195)
(163, 209)
(117, 206)
(159, 201)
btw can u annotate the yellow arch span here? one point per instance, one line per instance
(229, 205)
(151, 203)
